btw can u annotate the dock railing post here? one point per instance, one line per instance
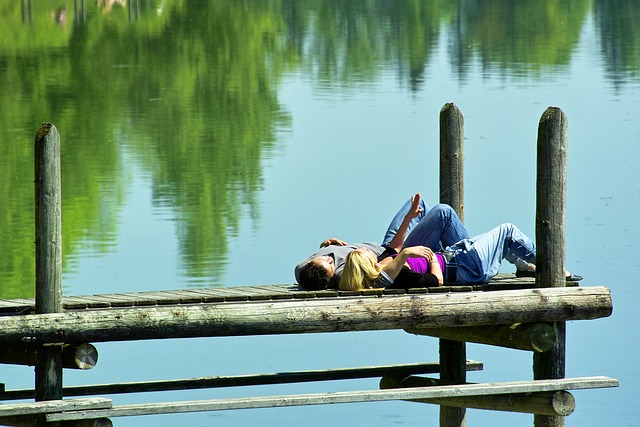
(453, 354)
(551, 191)
(48, 252)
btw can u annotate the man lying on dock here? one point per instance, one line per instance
(395, 262)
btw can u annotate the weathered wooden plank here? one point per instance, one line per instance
(74, 303)
(15, 309)
(230, 294)
(276, 292)
(401, 370)
(192, 296)
(164, 297)
(35, 421)
(209, 296)
(32, 408)
(17, 302)
(180, 297)
(310, 316)
(340, 397)
(392, 291)
(92, 301)
(256, 294)
(121, 300)
(553, 403)
(141, 299)
(114, 300)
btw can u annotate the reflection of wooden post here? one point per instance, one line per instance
(48, 240)
(453, 354)
(550, 237)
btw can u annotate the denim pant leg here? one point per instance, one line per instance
(397, 220)
(505, 241)
(439, 228)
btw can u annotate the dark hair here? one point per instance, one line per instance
(314, 277)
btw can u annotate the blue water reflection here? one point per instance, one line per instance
(217, 146)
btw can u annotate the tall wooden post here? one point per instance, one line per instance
(453, 354)
(551, 195)
(48, 242)
(452, 158)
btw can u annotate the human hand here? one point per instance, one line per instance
(415, 208)
(332, 241)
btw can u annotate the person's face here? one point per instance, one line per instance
(327, 263)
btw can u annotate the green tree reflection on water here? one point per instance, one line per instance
(190, 90)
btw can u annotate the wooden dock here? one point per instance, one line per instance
(54, 332)
(277, 309)
(287, 310)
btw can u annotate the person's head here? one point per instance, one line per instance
(317, 273)
(360, 270)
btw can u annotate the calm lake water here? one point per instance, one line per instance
(210, 144)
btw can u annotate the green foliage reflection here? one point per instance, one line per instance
(188, 90)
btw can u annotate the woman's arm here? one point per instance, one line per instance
(401, 234)
(393, 267)
(436, 270)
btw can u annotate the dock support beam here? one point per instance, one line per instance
(74, 356)
(551, 195)
(453, 354)
(555, 403)
(48, 243)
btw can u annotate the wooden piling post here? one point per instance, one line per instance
(48, 243)
(452, 158)
(551, 192)
(453, 354)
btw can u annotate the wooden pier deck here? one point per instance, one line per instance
(10, 307)
(285, 309)
(277, 309)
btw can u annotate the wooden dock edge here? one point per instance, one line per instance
(303, 316)
(49, 406)
(339, 397)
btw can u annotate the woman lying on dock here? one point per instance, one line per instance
(469, 260)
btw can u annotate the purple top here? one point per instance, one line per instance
(420, 265)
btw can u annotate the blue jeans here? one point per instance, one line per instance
(434, 228)
(438, 228)
(479, 258)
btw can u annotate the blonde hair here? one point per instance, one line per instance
(359, 272)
